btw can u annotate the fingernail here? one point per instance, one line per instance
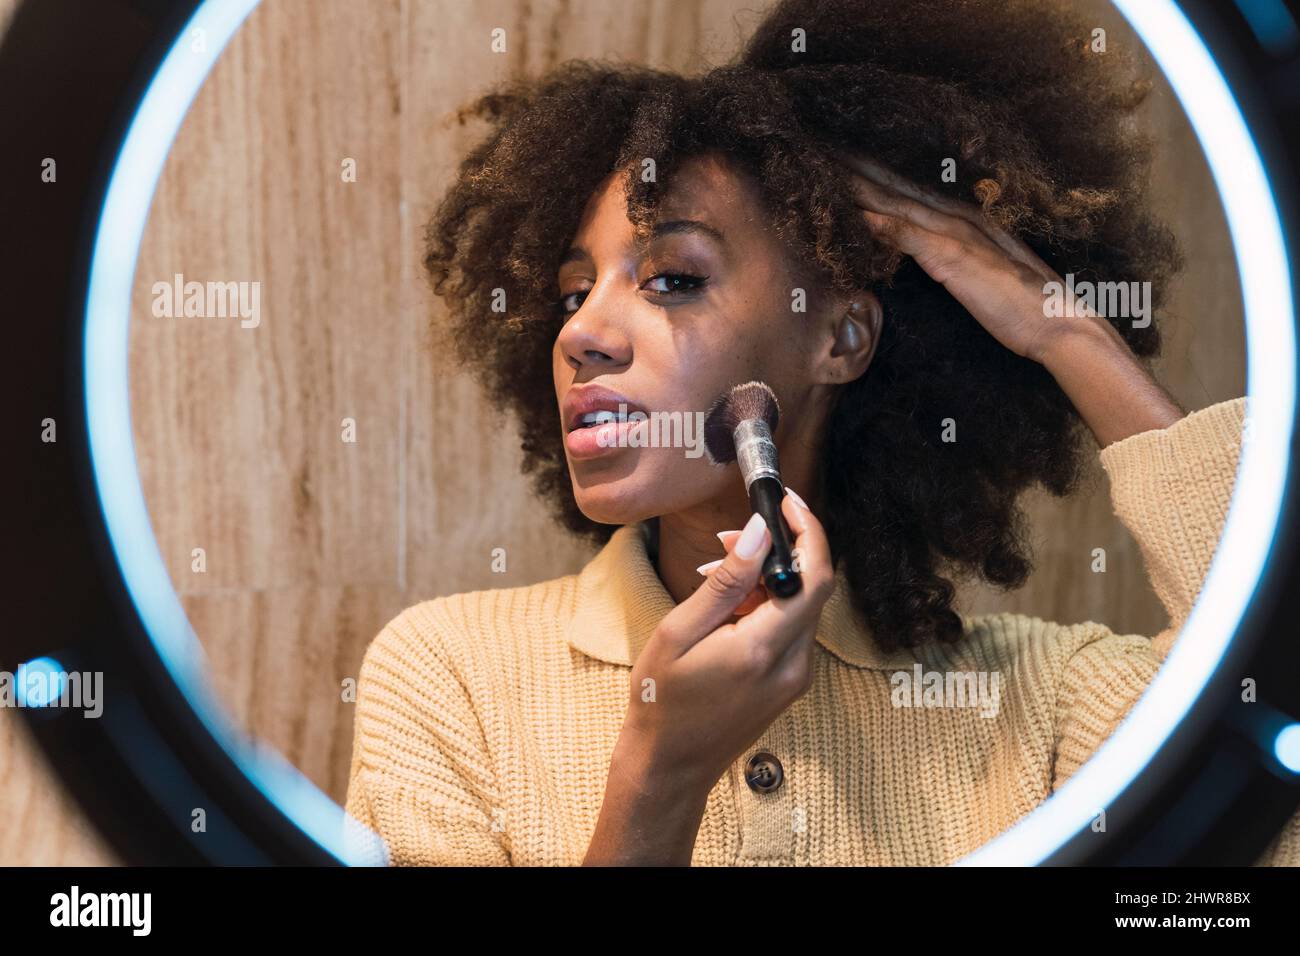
(797, 500)
(751, 538)
(708, 566)
(722, 535)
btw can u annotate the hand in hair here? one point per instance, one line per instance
(993, 274)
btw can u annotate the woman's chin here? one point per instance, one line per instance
(619, 502)
(612, 512)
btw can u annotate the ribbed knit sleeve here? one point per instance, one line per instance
(1101, 683)
(1171, 488)
(421, 776)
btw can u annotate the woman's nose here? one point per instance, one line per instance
(593, 336)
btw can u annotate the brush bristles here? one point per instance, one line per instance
(742, 403)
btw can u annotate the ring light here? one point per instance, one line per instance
(166, 659)
(1256, 507)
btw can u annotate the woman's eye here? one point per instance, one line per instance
(563, 304)
(673, 283)
(676, 283)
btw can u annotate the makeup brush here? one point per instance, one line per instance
(739, 428)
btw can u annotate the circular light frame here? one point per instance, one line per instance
(1250, 533)
(1255, 226)
(115, 253)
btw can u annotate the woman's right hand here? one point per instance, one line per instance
(719, 668)
(707, 683)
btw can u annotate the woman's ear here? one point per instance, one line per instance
(855, 331)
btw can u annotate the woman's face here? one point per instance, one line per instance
(706, 304)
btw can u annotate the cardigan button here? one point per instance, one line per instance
(763, 773)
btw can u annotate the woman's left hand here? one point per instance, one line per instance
(1000, 281)
(994, 275)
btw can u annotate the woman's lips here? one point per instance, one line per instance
(598, 440)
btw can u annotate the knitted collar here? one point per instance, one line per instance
(621, 600)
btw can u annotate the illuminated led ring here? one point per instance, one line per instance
(108, 308)
(1256, 232)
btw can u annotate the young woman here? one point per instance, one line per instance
(868, 210)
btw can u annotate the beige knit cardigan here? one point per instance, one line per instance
(485, 721)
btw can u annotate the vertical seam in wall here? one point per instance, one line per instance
(404, 376)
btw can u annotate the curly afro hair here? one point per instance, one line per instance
(1042, 132)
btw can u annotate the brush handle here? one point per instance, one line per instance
(779, 576)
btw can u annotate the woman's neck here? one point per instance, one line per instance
(680, 543)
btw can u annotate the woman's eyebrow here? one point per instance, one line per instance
(685, 225)
(659, 230)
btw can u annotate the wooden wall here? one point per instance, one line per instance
(312, 543)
